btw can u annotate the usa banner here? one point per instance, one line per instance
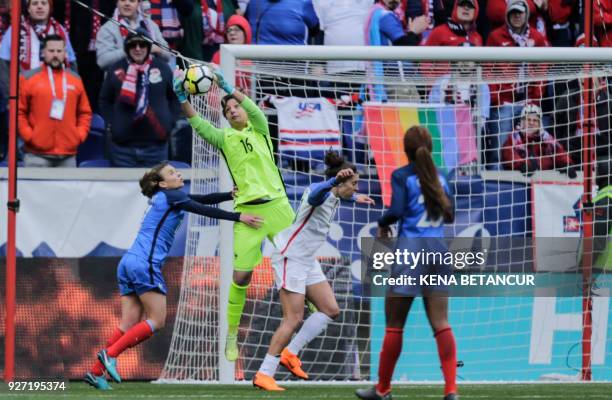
(307, 127)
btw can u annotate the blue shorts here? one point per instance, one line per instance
(136, 275)
(428, 278)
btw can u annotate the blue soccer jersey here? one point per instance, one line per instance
(164, 216)
(159, 225)
(139, 270)
(408, 206)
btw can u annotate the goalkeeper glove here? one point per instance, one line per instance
(177, 86)
(222, 83)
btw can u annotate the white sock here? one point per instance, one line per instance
(312, 327)
(269, 365)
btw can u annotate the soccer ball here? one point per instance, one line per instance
(198, 79)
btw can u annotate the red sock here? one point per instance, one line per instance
(447, 350)
(136, 334)
(391, 349)
(98, 368)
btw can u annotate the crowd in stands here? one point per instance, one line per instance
(106, 69)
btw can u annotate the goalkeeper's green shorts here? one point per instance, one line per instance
(277, 215)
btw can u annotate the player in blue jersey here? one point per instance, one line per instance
(420, 203)
(141, 284)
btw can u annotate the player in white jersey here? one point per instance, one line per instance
(298, 274)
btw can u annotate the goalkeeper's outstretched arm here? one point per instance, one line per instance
(204, 128)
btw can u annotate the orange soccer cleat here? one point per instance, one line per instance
(266, 382)
(293, 364)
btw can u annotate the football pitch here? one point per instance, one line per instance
(142, 390)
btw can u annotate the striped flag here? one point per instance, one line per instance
(307, 127)
(451, 127)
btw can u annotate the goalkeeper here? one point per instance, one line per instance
(246, 147)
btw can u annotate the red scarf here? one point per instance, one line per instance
(213, 23)
(41, 31)
(133, 94)
(96, 23)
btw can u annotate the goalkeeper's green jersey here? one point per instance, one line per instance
(248, 154)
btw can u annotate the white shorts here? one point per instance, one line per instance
(295, 276)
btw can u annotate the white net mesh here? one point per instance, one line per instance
(511, 176)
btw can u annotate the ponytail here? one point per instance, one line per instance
(418, 148)
(335, 163)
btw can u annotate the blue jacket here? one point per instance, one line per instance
(281, 21)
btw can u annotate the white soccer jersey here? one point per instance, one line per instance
(309, 231)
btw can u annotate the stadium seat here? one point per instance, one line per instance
(93, 147)
(97, 163)
(97, 123)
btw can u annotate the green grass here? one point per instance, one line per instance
(139, 390)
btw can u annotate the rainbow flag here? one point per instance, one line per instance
(451, 126)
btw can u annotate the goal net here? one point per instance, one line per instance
(515, 140)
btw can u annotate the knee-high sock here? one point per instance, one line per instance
(136, 334)
(98, 368)
(447, 350)
(237, 298)
(312, 327)
(391, 349)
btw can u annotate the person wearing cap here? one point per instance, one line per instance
(460, 28)
(496, 12)
(138, 102)
(110, 37)
(508, 98)
(530, 148)
(54, 113)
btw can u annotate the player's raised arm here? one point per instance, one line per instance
(204, 128)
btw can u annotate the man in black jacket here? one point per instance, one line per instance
(138, 103)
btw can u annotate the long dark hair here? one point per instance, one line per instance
(149, 183)
(418, 147)
(335, 162)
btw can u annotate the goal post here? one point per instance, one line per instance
(447, 89)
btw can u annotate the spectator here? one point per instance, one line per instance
(560, 16)
(282, 21)
(497, 13)
(460, 27)
(165, 13)
(602, 21)
(531, 148)
(237, 31)
(462, 89)
(138, 103)
(109, 42)
(35, 26)
(507, 99)
(384, 28)
(438, 12)
(83, 27)
(54, 112)
(340, 19)
(213, 17)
